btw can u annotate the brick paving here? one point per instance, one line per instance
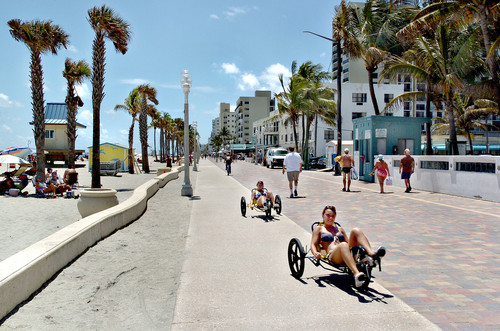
(443, 251)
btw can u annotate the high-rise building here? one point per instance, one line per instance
(250, 109)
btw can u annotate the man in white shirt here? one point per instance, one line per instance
(293, 167)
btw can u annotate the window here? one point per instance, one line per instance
(49, 134)
(420, 114)
(407, 106)
(329, 134)
(439, 114)
(388, 97)
(357, 115)
(359, 97)
(407, 113)
(420, 106)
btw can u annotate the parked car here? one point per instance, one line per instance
(318, 162)
(275, 157)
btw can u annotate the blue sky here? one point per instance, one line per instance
(231, 48)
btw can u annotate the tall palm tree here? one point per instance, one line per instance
(132, 106)
(147, 93)
(75, 73)
(40, 37)
(106, 24)
(225, 134)
(485, 13)
(291, 100)
(444, 61)
(317, 97)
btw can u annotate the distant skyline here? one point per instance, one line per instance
(232, 48)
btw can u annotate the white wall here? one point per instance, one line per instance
(462, 183)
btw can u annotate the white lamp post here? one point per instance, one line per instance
(195, 126)
(187, 189)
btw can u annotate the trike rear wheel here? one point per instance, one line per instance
(277, 202)
(296, 258)
(243, 206)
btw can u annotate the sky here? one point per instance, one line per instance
(231, 48)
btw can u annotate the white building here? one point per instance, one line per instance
(250, 109)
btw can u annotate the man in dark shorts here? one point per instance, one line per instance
(347, 163)
(407, 164)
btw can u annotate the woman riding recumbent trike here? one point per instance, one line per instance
(262, 200)
(333, 250)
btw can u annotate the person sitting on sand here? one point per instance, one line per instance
(61, 187)
(42, 187)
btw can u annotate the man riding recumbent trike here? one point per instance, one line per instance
(262, 200)
(333, 250)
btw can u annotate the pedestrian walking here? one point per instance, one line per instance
(382, 171)
(293, 166)
(347, 162)
(407, 164)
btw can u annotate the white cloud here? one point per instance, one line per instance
(234, 11)
(124, 132)
(230, 68)
(85, 117)
(213, 16)
(322, 54)
(267, 80)
(72, 49)
(248, 82)
(134, 81)
(83, 91)
(5, 102)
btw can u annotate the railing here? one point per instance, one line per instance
(468, 176)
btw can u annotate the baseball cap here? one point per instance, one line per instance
(346, 150)
(380, 157)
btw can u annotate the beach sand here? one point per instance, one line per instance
(27, 219)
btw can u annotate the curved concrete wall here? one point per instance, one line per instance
(25, 272)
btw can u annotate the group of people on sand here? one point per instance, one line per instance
(52, 183)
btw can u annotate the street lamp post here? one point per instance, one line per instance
(187, 189)
(195, 126)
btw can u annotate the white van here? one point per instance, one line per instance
(275, 157)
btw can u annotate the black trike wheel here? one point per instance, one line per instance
(243, 206)
(277, 203)
(296, 258)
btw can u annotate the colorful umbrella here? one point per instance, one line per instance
(21, 152)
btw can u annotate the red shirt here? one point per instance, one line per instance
(406, 162)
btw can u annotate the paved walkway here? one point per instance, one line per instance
(443, 251)
(234, 274)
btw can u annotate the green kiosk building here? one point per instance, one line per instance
(386, 135)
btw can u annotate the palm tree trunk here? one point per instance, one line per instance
(143, 129)
(453, 131)
(428, 114)
(469, 137)
(38, 112)
(71, 124)
(98, 59)
(154, 142)
(339, 106)
(372, 92)
(491, 61)
(294, 126)
(131, 147)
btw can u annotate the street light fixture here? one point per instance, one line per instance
(187, 189)
(195, 153)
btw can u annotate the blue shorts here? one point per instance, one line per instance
(405, 175)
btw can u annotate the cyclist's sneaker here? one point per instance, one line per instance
(291, 195)
(380, 252)
(359, 279)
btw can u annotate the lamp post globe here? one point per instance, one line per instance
(195, 127)
(187, 189)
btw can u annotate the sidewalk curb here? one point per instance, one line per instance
(25, 272)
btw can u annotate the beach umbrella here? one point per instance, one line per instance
(12, 159)
(21, 152)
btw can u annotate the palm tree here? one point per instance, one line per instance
(318, 99)
(147, 93)
(291, 100)
(131, 106)
(444, 62)
(40, 37)
(468, 117)
(106, 24)
(75, 73)
(155, 124)
(484, 13)
(225, 134)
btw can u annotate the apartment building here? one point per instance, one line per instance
(250, 109)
